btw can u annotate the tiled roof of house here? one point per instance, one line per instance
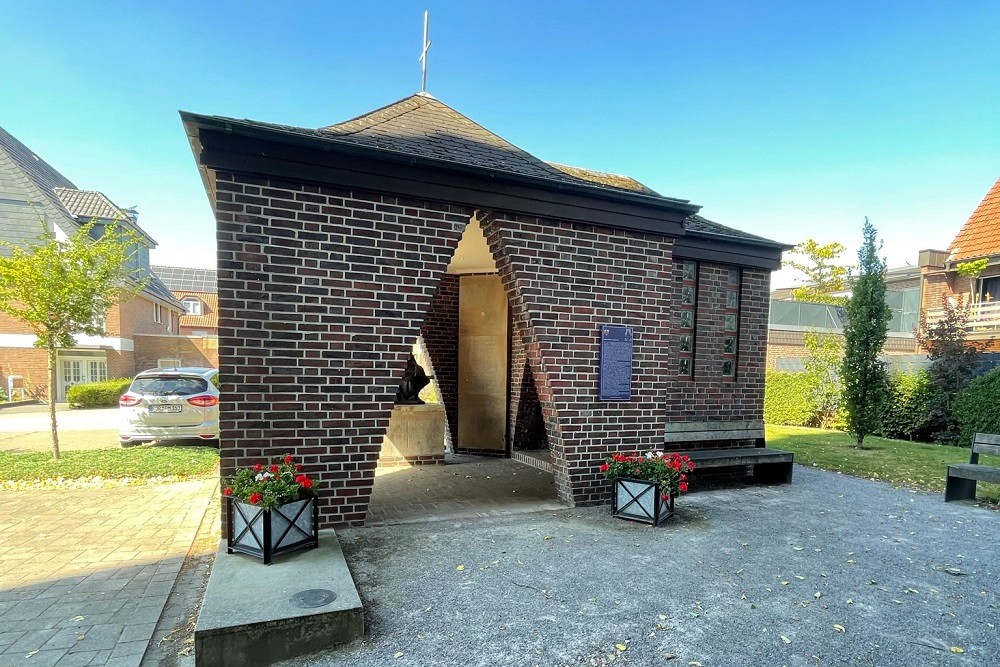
(980, 235)
(187, 279)
(209, 317)
(87, 204)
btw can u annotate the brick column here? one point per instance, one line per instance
(322, 292)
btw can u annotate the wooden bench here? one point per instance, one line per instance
(770, 466)
(962, 478)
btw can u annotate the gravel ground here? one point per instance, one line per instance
(830, 570)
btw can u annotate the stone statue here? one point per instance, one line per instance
(414, 379)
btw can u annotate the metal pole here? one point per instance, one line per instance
(423, 56)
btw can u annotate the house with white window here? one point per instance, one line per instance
(36, 198)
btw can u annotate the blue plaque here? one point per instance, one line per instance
(615, 376)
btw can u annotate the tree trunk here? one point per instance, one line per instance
(861, 442)
(51, 352)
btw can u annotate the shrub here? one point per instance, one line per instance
(908, 416)
(789, 400)
(975, 407)
(97, 394)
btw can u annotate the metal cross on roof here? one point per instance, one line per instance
(423, 56)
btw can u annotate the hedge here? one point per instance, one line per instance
(97, 394)
(975, 408)
(788, 399)
(908, 415)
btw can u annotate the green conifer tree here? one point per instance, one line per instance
(864, 375)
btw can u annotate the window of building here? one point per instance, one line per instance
(170, 320)
(687, 318)
(98, 371)
(731, 324)
(157, 313)
(192, 305)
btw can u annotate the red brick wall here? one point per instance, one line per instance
(440, 334)
(200, 351)
(31, 364)
(321, 295)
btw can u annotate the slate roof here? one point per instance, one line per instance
(37, 169)
(75, 205)
(187, 279)
(424, 127)
(87, 204)
(980, 235)
(698, 224)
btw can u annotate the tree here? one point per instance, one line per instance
(823, 275)
(866, 382)
(824, 356)
(61, 289)
(954, 362)
(971, 270)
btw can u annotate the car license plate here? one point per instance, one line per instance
(165, 408)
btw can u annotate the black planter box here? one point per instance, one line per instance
(640, 500)
(266, 533)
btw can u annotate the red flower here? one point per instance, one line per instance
(690, 466)
(665, 497)
(683, 487)
(288, 458)
(275, 468)
(298, 466)
(254, 498)
(684, 478)
(257, 467)
(306, 483)
(604, 467)
(228, 491)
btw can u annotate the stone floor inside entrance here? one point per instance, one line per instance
(464, 487)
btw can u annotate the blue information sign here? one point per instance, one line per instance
(615, 376)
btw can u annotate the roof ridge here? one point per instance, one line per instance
(330, 128)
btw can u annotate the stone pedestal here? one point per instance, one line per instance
(415, 436)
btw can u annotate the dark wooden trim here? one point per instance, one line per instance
(718, 251)
(249, 155)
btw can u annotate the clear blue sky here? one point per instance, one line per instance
(788, 119)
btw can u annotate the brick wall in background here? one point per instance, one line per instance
(440, 333)
(201, 351)
(322, 292)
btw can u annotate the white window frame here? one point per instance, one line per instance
(192, 300)
(170, 320)
(157, 313)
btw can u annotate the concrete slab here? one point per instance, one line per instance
(248, 619)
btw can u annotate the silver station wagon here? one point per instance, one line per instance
(170, 404)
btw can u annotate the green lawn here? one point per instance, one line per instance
(138, 463)
(899, 462)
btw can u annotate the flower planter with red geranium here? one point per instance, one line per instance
(645, 486)
(272, 510)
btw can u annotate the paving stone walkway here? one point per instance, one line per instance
(86, 573)
(464, 487)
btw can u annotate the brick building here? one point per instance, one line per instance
(198, 342)
(979, 238)
(34, 196)
(340, 246)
